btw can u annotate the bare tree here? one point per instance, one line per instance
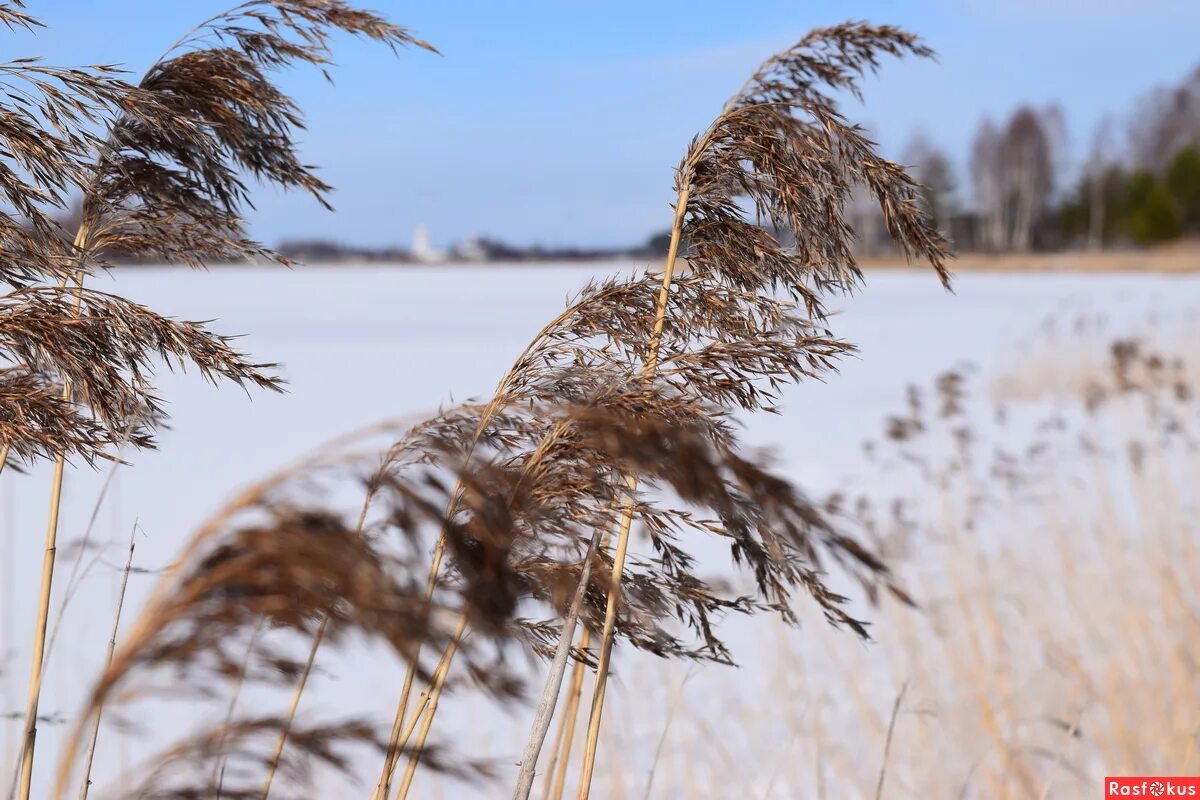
(1097, 173)
(933, 170)
(1027, 164)
(987, 179)
(1166, 121)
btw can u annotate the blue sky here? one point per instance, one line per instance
(561, 122)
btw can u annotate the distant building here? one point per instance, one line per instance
(423, 250)
(476, 248)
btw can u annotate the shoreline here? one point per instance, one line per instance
(1171, 261)
(1168, 261)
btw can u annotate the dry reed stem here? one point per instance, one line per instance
(217, 781)
(393, 749)
(553, 687)
(48, 559)
(39, 641)
(556, 748)
(489, 411)
(306, 671)
(293, 706)
(887, 742)
(86, 784)
(435, 693)
(443, 666)
(328, 453)
(486, 415)
(75, 578)
(614, 589)
(571, 715)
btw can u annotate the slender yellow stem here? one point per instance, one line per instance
(393, 749)
(293, 706)
(435, 693)
(443, 666)
(384, 786)
(48, 557)
(556, 749)
(439, 673)
(39, 641)
(485, 416)
(394, 744)
(217, 782)
(4, 455)
(302, 681)
(614, 588)
(571, 714)
(112, 646)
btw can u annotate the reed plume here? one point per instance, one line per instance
(781, 148)
(274, 560)
(161, 167)
(621, 410)
(659, 360)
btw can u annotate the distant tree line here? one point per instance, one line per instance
(1021, 192)
(475, 249)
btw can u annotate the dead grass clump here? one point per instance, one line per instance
(161, 169)
(1050, 550)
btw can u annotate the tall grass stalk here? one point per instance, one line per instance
(887, 742)
(426, 696)
(306, 670)
(86, 784)
(49, 556)
(434, 695)
(486, 416)
(553, 687)
(166, 181)
(614, 588)
(39, 640)
(570, 715)
(78, 571)
(394, 746)
(217, 781)
(646, 373)
(293, 707)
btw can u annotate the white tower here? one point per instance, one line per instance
(422, 249)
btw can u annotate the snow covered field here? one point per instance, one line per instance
(361, 344)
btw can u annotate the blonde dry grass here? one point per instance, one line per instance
(1053, 643)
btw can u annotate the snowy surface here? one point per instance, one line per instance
(360, 344)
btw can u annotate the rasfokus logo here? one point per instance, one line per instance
(1156, 786)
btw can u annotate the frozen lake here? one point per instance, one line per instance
(361, 344)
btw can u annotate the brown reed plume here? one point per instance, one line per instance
(695, 348)
(781, 148)
(621, 409)
(268, 561)
(161, 167)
